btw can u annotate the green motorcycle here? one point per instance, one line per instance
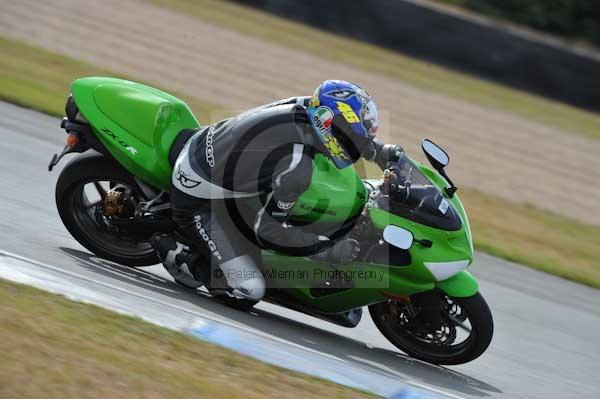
(415, 238)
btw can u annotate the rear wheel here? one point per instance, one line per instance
(463, 334)
(81, 199)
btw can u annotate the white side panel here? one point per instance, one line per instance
(445, 270)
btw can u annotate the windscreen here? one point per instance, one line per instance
(413, 196)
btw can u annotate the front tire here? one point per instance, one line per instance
(391, 320)
(84, 220)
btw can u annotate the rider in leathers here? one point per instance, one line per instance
(264, 155)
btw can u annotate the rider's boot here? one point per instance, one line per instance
(178, 262)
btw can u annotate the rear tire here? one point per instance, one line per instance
(84, 169)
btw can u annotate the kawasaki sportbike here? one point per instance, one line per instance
(415, 238)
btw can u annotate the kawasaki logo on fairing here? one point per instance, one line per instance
(321, 211)
(122, 143)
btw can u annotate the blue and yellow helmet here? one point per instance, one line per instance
(344, 118)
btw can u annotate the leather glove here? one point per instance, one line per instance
(388, 153)
(344, 251)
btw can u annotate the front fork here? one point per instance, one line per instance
(430, 303)
(427, 299)
(429, 306)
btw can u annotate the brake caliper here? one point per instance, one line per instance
(113, 203)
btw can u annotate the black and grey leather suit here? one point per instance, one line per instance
(260, 159)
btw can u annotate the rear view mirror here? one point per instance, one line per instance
(398, 237)
(435, 154)
(439, 160)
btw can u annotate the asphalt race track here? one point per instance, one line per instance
(546, 342)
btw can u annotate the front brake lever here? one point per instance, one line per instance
(388, 186)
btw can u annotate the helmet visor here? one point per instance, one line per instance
(370, 117)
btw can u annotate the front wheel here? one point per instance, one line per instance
(462, 334)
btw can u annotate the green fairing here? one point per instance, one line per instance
(398, 281)
(401, 281)
(138, 124)
(327, 198)
(455, 200)
(461, 285)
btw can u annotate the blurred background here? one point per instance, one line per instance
(509, 88)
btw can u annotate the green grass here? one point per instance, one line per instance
(539, 239)
(35, 78)
(55, 348)
(38, 79)
(376, 59)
